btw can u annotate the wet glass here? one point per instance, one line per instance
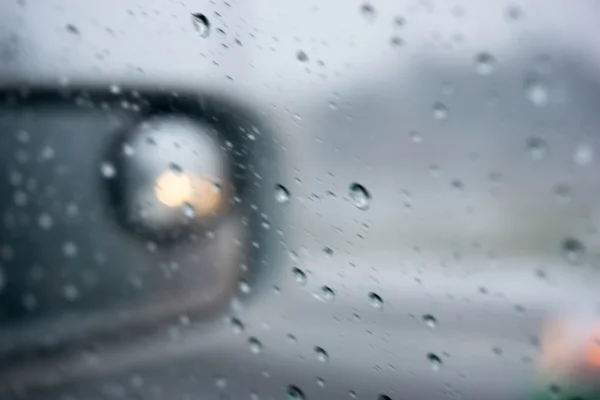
(303, 200)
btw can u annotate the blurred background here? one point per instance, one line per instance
(307, 200)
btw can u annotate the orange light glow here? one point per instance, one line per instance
(175, 190)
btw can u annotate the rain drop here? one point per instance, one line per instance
(434, 361)
(70, 249)
(384, 397)
(536, 91)
(302, 56)
(201, 24)
(282, 195)
(360, 196)
(45, 221)
(244, 286)
(573, 251)
(562, 192)
(368, 12)
(321, 382)
(584, 155)
(188, 211)
(294, 393)
(299, 276)
(236, 325)
(221, 382)
(430, 320)
(440, 111)
(375, 300)
(321, 354)
(328, 294)
(328, 251)
(255, 345)
(537, 147)
(484, 63)
(108, 170)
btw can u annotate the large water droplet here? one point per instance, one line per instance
(299, 276)
(536, 91)
(384, 397)
(573, 251)
(294, 393)
(375, 300)
(236, 325)
(434, 361)
(584, 155)
(328, 294)
(282, 195)
(108, 170)
(201, 24)
(45, 221)
(484, 63)
(244, 286)
(302, 56)
(368, 12)
(188, 210)
(537, 147)
(321, 354)
(430, 320)
(255, 345)
(70, 249)
(360, 196)
(440, 111)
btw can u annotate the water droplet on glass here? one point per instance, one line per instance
(255, 345)
(375, 300)
(537, 147)
(484, 63)
(244, 286)
(299, 276)
(69, 249)
(368, 12)
(236, 325)
(108, 170)
(384, 397)
(291, 338)
(573, 251)
(415, 137)
(434, 361)
(294, 393)
(536, 91)
(221, 382)
(584, 155)
(302, 56)
(23, 136)
(114, 89)
(188, 210)
(282, 195)
(201, 24)
(128, 150)
(513, 12)
(562, 192)
(430, 320)
(440, 111)
(321, 354)
(321, 382)
(70, 292)
(45, 221)
(352, 394)
(396, 41)
(72, 29)
(360, 196)
(328, 294)
(328, 251)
